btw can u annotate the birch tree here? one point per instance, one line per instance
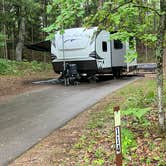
(159, 55)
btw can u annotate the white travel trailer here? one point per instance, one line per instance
(93, 52)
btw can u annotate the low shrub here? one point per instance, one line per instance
(8, 67)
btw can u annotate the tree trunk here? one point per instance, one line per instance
(4, 32)
(45, 25)
(20, 44)
(13, 45)
(32, 40)
(159, 55)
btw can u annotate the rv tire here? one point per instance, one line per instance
(117, 73)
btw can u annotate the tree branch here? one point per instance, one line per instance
(115, 9)
(147, 7)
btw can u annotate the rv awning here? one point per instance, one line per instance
(40, 46)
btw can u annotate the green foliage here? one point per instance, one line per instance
(128, 140)
(99, 119)
(81, 142)
(122, 35)
(136, 105)
(98, 123)
(66, 13)
(131, 55)
(149, 38)
(99, 153)
(98, 162)
(127, 18)
(138, 113)
(140, 99)
(8, 67)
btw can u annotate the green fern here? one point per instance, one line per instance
(128, 140)
(138, 113)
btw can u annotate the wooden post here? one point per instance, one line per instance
(118, 147)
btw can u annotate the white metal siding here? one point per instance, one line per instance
(105, 62)
(78, 44)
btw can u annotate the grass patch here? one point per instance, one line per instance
(8, 67)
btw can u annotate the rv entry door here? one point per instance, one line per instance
(118, 53)
(103, 49)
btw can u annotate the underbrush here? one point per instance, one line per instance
(142, 144)
(8, 67)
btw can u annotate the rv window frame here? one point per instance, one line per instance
(118, 45)
(104, 46)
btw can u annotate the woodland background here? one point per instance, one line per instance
(22, 22)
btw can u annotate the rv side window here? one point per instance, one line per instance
(104, 46)
(118, 44)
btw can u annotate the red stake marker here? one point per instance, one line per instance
(118, 147)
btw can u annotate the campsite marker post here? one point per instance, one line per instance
(118, 147)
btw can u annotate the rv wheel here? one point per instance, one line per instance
(117, 73)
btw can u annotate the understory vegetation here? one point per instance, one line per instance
(142, 144)
(8, 67)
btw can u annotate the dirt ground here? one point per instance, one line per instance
(13, 85)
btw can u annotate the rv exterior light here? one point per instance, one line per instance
(53, 57)
(93, 54)
(84, 74)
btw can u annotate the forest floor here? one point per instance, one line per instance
(89, 138)
(14, 85)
